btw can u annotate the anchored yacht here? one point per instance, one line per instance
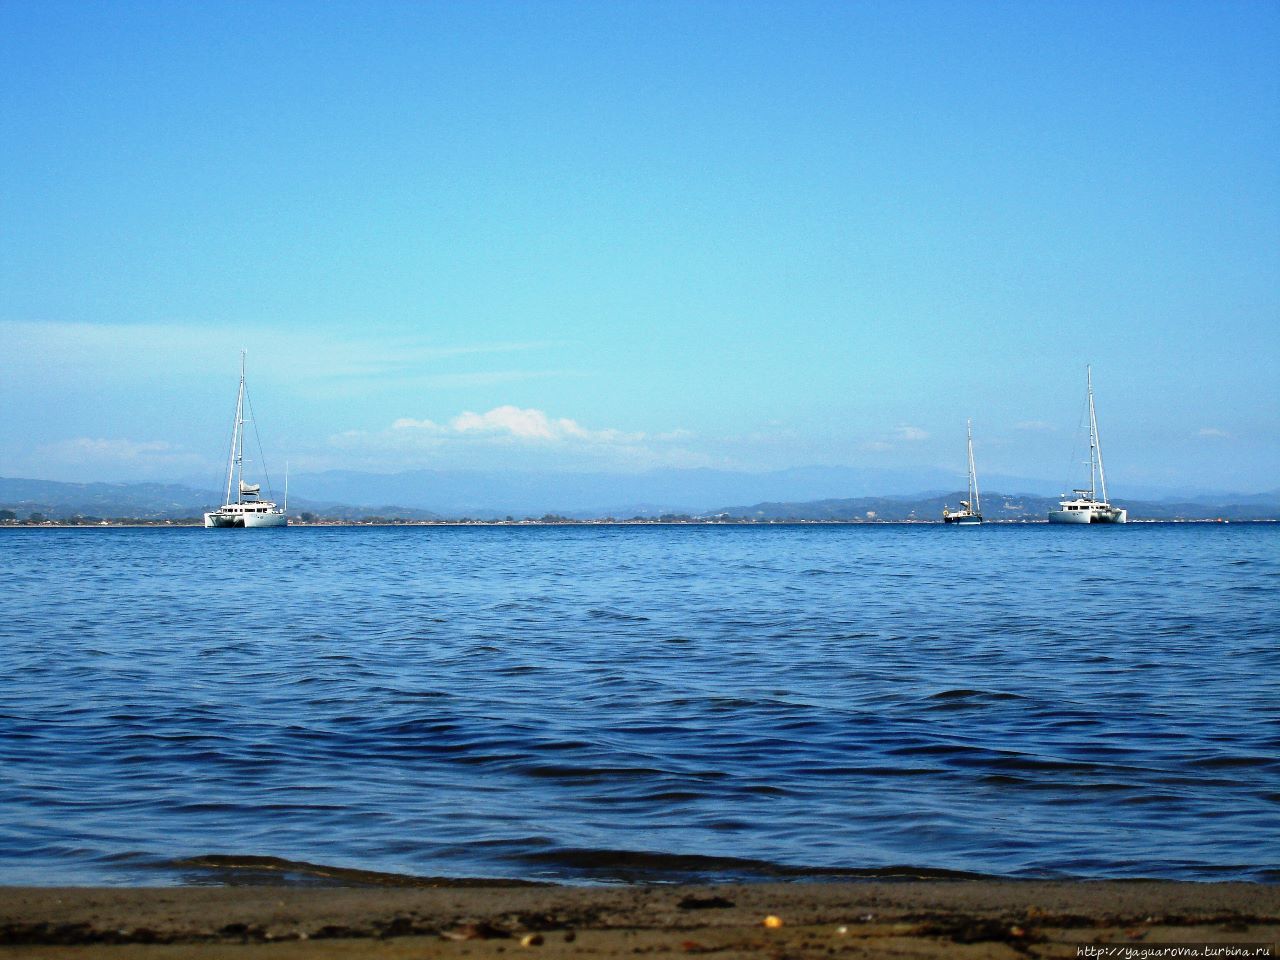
(1085, 507)
(970, 512)
(249, 509)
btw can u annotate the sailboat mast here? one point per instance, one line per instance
(1095, 443)
(240, 432)
(1093, 439)
(235, 436)
(973, 474)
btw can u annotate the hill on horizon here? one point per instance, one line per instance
(1000, 507)
(692, 490)
(61, 500)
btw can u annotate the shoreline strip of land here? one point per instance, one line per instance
(930, 918)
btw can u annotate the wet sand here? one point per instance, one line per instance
(967, 918)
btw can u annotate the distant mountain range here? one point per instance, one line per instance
(527, 493)
(144, 500)
(816, 493)
(155, 501)
(998, 506)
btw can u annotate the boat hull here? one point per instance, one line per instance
(226, 520)
(1089, 516)
(1064, 516)
(266, 520)
(972, 520)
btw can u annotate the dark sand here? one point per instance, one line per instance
(962, 918)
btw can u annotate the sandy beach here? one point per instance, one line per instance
(868, 919)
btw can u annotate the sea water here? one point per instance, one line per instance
(640, 703)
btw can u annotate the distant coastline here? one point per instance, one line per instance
(142, 523)
(437, 500)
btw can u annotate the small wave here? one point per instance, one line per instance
(675, 796)
(409, 695)
(570, 773)
(249, 869)
(604, 614)
(634, 865)
(1221, 762)
(885, 771)
(966, 694)
(1037, 764)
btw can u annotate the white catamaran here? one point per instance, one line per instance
(1085, 507)
(970, 512)
(248, 509)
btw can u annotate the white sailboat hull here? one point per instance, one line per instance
(247, 515)
(1062, 516)
(1089, 514)
(219, 519)
(266, 520)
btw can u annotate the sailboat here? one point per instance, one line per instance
(248, 509)
(1085, 507)
(970, 512)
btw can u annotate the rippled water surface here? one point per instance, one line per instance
(641, 703)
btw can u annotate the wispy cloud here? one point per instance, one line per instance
(1212, 433)
(531, 432)
(892, 441)
(510, 422)
(109, 350)
(1033, 425)
(489, 378)
(146, 455)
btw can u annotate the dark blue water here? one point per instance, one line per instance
(641, 703)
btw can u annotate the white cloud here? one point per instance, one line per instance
(536, 425)
(1036, 425)
(529, 425)
(106, 352)
(673, 435)
(477, 436)
(521, 424)
(912, 433)
(1212, 433)
(407, 423)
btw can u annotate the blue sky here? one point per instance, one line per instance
(634, 235)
